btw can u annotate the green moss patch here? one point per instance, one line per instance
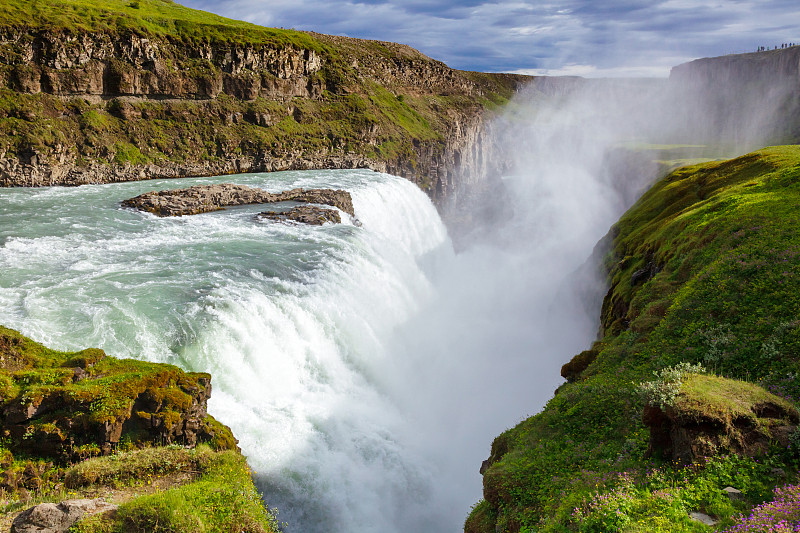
(72, 405)
(79, 424)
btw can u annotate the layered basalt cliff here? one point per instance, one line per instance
(742, 97)
(129, 103)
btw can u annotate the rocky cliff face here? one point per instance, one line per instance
(96, 107)
(102, 65)
(741, 97)
(68, 406)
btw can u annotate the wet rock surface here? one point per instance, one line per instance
(304, 214)
(207, 198)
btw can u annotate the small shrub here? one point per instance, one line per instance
(717, 340)
(663, 391)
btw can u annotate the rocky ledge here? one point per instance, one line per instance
(69, 406)
(56, 518)
(207, 198)
(304, 214)
(714, 415)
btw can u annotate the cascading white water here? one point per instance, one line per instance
(365, 369)
(292, 322)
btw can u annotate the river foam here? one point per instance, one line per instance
(292, 322)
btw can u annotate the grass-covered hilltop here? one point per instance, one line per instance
(687, 403)
(108, 90)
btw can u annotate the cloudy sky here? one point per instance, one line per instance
(581, 37)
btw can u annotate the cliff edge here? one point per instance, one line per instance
(115, 443)
(742, 98)
(95, 92)
(703, 275)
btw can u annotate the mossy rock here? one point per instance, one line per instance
(572, 370)
(713, 415)
(73, 405)
(482, 519)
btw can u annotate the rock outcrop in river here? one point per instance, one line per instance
(304, 214)
(207, 198)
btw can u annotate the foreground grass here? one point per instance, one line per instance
(164, 488)
(221, 498)
(716, 252)
(58, 409)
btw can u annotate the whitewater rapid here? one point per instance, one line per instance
(292, 322)
(365, 368)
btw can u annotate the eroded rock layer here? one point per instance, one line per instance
(121, 104)
(206, 198)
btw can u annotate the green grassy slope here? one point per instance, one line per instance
(220, 497)
(162, 18)
(705, 268)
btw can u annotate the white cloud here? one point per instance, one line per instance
(615, 38)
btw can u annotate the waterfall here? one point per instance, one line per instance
(365, 367)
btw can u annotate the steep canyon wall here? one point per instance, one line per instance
(746, 99)
(96, 107)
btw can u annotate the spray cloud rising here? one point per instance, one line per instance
(365, 370)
